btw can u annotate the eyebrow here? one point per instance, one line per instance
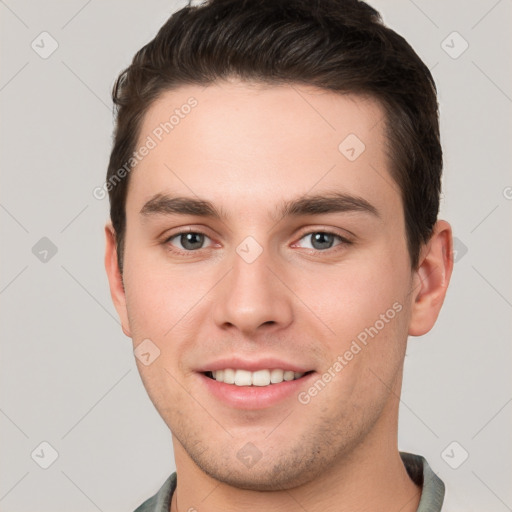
(330, 202)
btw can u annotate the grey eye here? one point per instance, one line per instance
(321, 240)
(189, 241)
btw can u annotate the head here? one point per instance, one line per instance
(338, 46)
(298, 144)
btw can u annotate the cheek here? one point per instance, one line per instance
(365, 306)
(351, 297)
(158, 295)
(148, 307)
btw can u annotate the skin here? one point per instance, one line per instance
(246, 148)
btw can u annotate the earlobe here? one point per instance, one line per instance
(431, 280)
(115, 279)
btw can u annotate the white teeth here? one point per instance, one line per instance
(276, 376)
(288, 375)
(229, 376)
(257, 378)
(261, 378)
(243, 378)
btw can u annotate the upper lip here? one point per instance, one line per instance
(266, 363)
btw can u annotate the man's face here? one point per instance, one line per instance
(260, 288)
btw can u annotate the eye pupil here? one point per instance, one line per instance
(192, 241)
(322, 240)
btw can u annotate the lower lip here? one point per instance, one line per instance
(255, 397)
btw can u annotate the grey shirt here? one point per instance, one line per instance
(432, 487)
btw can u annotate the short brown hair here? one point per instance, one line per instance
(336, 45)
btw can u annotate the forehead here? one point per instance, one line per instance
(239, 143)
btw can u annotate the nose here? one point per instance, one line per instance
(252, 297)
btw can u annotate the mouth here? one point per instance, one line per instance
(259, 378)
(262, 384)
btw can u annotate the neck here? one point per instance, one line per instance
(371, 477)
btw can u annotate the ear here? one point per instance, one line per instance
(115, 279)
(431, 279)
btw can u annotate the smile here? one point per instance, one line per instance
(258, 378)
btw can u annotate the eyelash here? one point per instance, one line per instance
(344, 241)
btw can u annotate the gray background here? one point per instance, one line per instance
(68, 375)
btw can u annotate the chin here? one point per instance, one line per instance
(281, 472)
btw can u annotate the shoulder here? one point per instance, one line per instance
(161, 501)
(436, 495)
(432, 487)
